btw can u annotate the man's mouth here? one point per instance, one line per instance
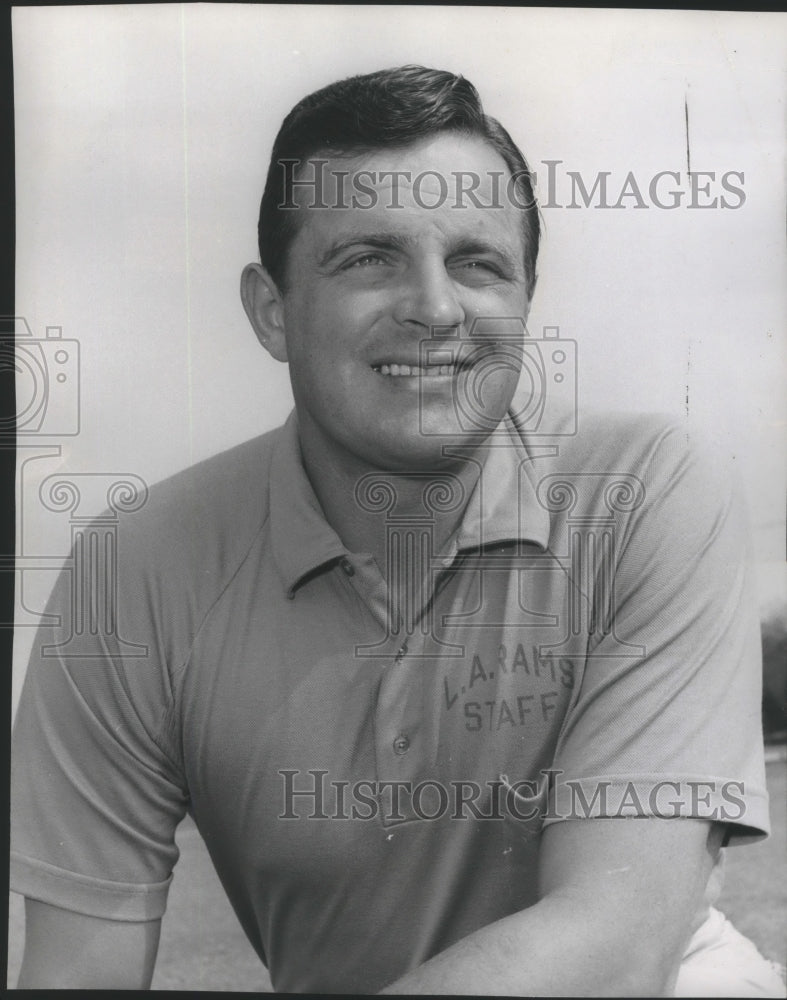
(417, 371)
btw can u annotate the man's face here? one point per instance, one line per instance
(369, 288)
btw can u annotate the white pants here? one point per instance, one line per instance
(721, 962)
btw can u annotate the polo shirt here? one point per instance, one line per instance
(371, 775)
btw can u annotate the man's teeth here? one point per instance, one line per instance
(415, 370)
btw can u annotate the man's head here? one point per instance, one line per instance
(388, 109)
(391, 286)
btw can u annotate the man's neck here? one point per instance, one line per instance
(362, 502)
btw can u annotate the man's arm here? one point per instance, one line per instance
(67, 950)
(618, 900)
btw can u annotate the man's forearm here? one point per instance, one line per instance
(619, 900)
(562, 946)
(68, 950)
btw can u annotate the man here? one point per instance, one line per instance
(460, 700)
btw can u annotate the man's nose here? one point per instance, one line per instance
(429, 298)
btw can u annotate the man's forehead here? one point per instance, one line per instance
(445, 152)
(449, 183)
(447, 168)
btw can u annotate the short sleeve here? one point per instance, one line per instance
(667, 719)
(97, 790)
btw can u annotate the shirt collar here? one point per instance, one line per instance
(301, 538)
(503, 506)
(303, 541)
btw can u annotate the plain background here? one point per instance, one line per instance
(142, 140)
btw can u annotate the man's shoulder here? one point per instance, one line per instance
(207, 514)
(642, 444)
(628, 459)
(220, 478)
(231, 483)
(610, 441)
(666, 475)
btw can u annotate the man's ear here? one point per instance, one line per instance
(265, 309)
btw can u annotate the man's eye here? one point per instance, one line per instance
(365, 260)
(480, 266)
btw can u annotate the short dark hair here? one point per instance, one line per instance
(389, 108)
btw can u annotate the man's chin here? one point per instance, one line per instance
(429, 448)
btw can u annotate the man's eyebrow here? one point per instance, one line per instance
(377, 241)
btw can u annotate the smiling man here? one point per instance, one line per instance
(358, 299)
(449, 713)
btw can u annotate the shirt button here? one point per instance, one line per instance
(401, 745)
(347, 566)
(401, 651)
